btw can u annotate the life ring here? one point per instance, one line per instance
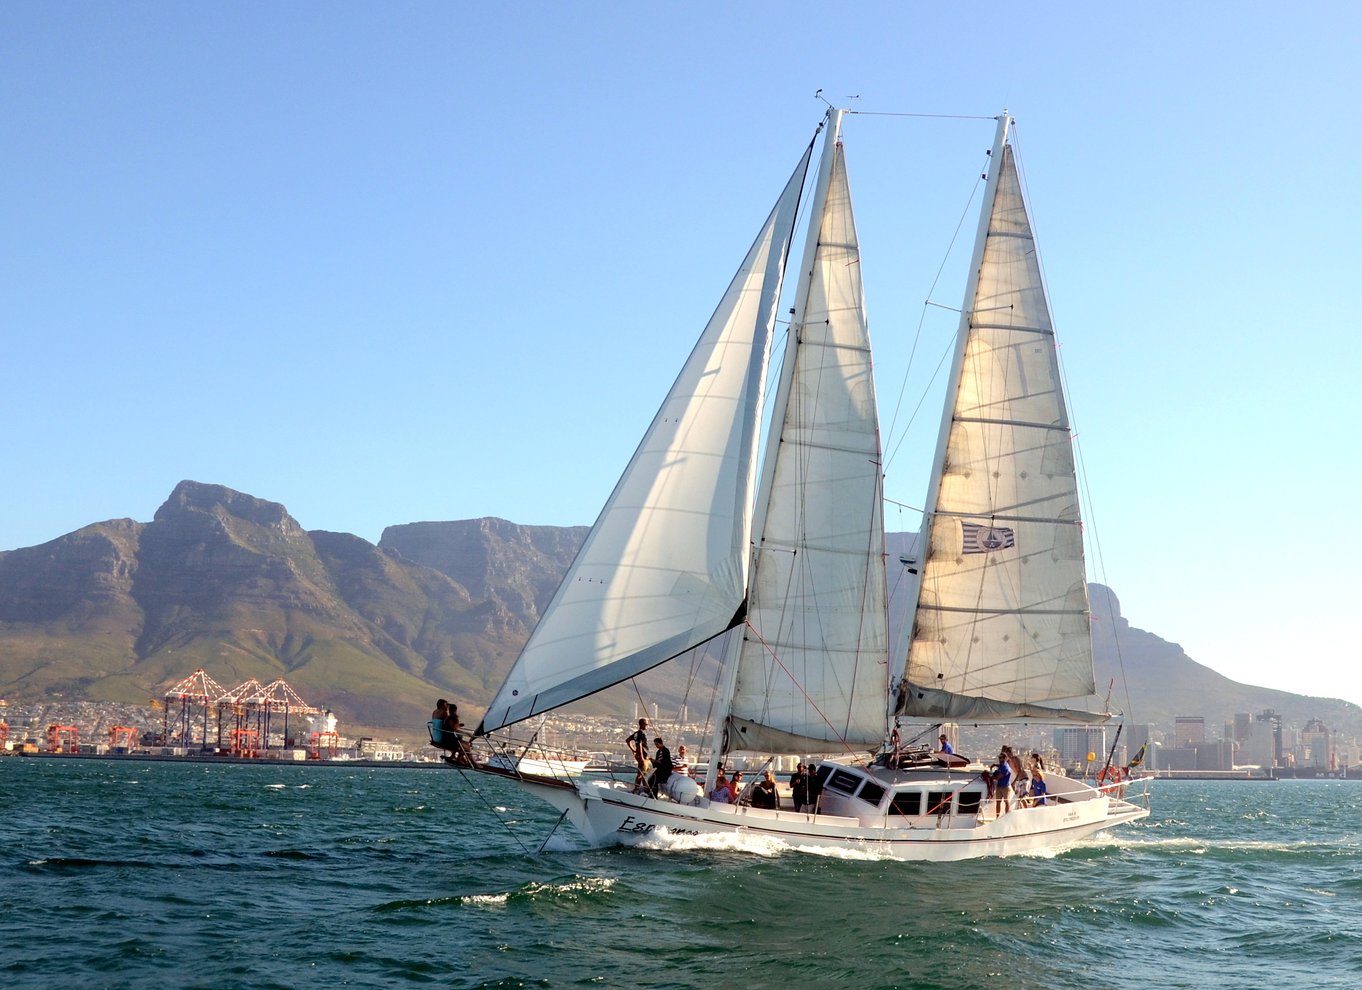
(1112, 777)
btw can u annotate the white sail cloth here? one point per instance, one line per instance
(812, 670)
(1002, 615)
(664, 568)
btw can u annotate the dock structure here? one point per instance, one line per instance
(243, 714)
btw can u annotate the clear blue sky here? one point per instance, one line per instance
(407, 261)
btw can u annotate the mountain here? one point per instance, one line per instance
(121, 610)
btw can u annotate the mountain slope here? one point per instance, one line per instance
(121, 610)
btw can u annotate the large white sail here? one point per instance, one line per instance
(1002, 615)
(665, 566)
(812, 667)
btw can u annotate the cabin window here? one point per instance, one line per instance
(871, 793)
(906, 803)
(844, 782)
(967, 803)
(938, 802)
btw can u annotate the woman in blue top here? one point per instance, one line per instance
(1038, 788)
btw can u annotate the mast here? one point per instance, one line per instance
(833, 125)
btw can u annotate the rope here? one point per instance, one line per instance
(493, 810)
(917, 337)
(928, 116)
(795, 681)
(551, 831)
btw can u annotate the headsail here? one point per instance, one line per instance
(665, 566)
(812, 668)
(1002, 616)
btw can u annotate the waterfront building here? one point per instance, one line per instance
(1188, 731)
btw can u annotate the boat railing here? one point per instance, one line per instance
(505, 754)
(1126, 795)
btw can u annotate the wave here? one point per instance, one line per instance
(664, 839)
(73, 863)
(573, 889)
(1201, 844)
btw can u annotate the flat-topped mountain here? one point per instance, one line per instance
(120, 610)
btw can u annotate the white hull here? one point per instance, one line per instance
(609, 814)
(540, 768)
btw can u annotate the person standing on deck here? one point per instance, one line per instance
(1002, 787)
(662, 768)
(799, 787)
(637, 742)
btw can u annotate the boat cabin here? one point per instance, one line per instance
(897, 798)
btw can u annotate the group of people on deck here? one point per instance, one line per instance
(1006, 780)
(656, 769)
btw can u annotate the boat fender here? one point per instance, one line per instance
(683, 790)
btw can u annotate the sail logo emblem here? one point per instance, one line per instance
(987, 539)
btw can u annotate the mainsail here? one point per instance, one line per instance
(1002, 623)
(812, 666)
(664, 568)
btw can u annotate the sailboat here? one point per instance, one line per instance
(774, 554)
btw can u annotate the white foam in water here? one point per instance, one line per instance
(759, 845)
(577, 885)
(570, 888)
(662, 838)
(865, 853)
(1196, 844)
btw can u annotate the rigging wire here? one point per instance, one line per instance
(1090, 512)
(757, 637)
(922, 319)
(492, 808)
(930, 116)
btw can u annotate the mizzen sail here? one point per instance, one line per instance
(1001, 624)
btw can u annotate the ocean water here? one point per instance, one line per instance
(137, 874)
